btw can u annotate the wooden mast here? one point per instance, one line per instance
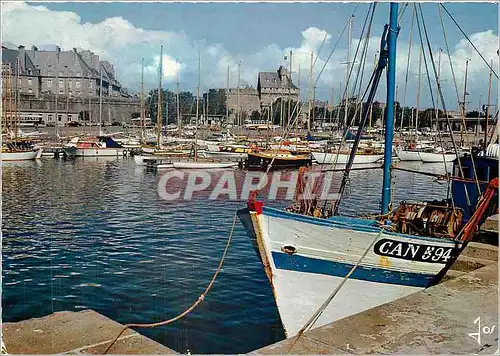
(159, 114)
(197, 108)
(142, 101)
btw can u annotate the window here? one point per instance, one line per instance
(49, 83)
(29, 81)
(70, 93)
(70, 84)
(70, 117)
(59, 118)
(29, 71)
(61, 91)
(61, 83)
(78, 92)
(90, 84)
(78, 83)
(50, 117)
(91, 92)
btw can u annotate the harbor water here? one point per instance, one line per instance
(95, 234)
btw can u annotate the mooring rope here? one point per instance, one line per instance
(200, 299)
(322, 308)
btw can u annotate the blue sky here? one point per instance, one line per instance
(257, 34)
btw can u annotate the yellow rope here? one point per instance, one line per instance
(192, 307)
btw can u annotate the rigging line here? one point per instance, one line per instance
(448, 52)
(347, 106)
(364, 51)
(440, 92)
(429, 80)
(320, 48)
(335, 46)
(468, 39)
(453, 73)
(355, 54)
(407, 66)
(401, 12)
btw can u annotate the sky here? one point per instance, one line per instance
(259, 36)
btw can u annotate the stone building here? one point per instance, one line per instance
(248, 101)
(274, 85)
(71, 73)
(69, 78)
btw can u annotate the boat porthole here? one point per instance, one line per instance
(289, 249)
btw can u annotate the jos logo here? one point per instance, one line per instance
(485, 330)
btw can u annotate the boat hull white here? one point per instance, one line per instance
(405, 155)
(203, 165)
(21, 156)
(331, 158)
(325, 251)
(429, 157)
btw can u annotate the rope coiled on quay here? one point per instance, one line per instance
(200, 299)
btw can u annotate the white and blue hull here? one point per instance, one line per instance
(325, 251)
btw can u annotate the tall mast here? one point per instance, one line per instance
(332, 98)
(438, 80)
(488, 109)
(389, 127)
(142, 100)
(238, 105)
(90, 109)
(16, 100)
(464, 112)
(197, 108)
(179, 120)
(100, 103)
(371, 106)
(57, 92)
(159, 114)
(310, 93)
(347, 73)
(297, 117)
(418, 87)
(289, 90)
(227, 96)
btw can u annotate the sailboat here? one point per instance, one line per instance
(201, 164)
(306, 254)
(14, 147)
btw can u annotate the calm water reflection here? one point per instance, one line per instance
(95, 234)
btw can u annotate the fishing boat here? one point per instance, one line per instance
(308, 252)
(479, 169)
(260, 160)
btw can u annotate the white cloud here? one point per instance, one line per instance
(122, 43)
